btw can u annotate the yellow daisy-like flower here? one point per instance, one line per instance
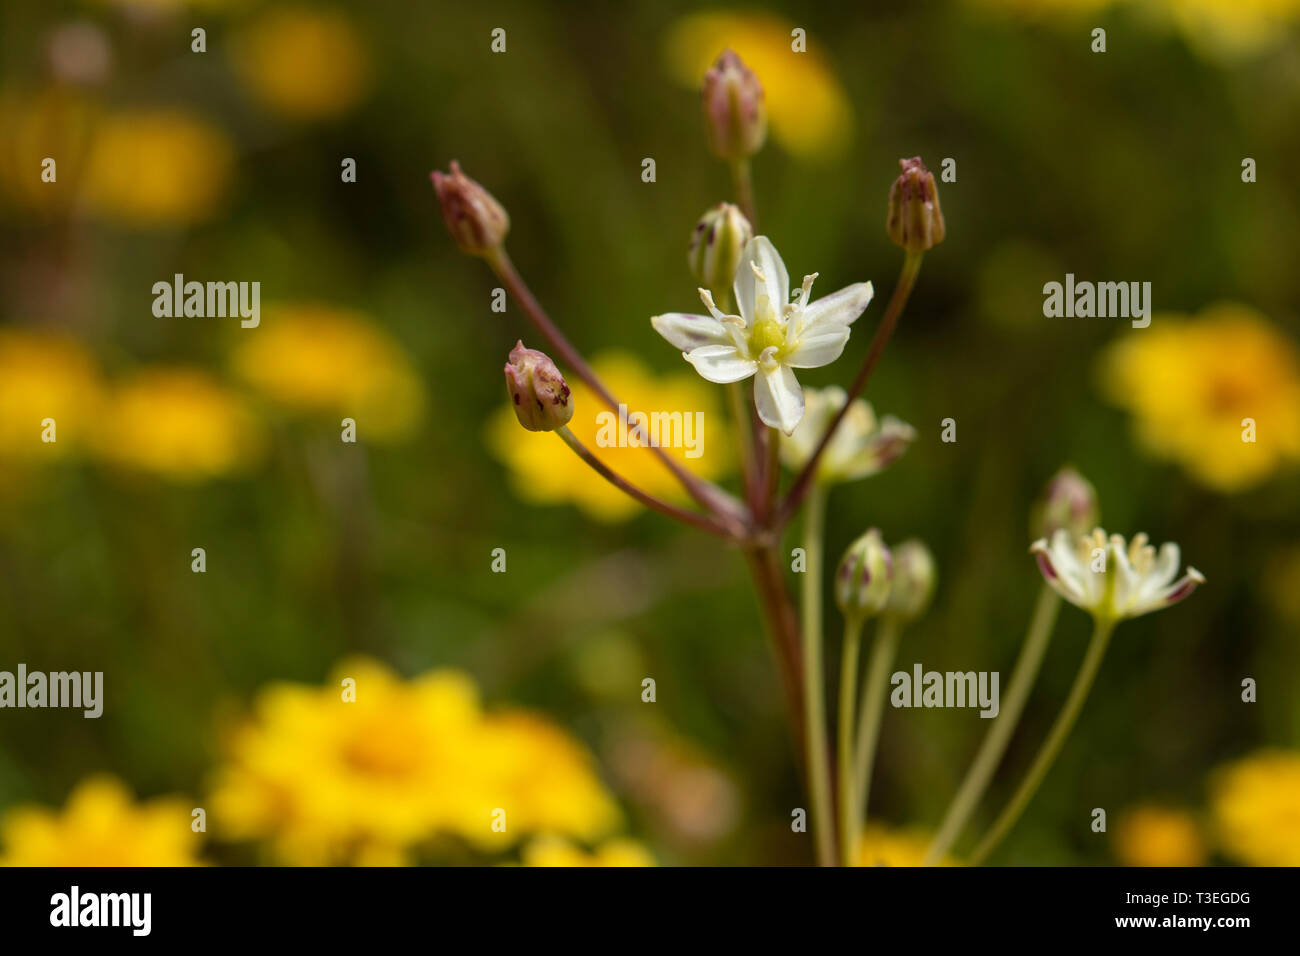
(1256, 807)
(304, 63)
(45, 376)
(322, 359)
(326, 779)
(1151, 835)
(157, 168)
(1220, 394)
(180, 423)
(886, 846)
(100, 826)
(552, 851)
(547, 472)
(807, 108)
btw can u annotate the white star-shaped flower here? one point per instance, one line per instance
(1111, 580)
(771, 337)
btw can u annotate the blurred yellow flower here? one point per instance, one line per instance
(1233, 28)
(326, 360)
(324, 779)
(302, 62)
(545, 471)
(100, 826)
(54, 123)
(1196, 387)
(155, 168)
(886, 846)
(1043, 8)
(45, 375)
(1256, 807)
(552, 851)
(1150, 835)
(180, 423)
(807, 108)
(1216, 27)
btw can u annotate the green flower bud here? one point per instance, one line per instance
(914, 578)
(537, 390)
(716, 247)
(1068, 501)
(862, 582)
(735, 113)
(474, 218)
(915, 221)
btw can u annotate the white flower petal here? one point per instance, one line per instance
(1051, 566)
(838, 308)
(759, 251)
(819, 349)
(687, 332)
(721, 363)
(778, 398)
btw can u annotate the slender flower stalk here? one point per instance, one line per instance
(704, 523)
(742, 185)
(819, 783)
(995, 742)
(1102, 630)
(883, 651)
(906, 280)
(708, 495)
(848, 801)
(783, 630)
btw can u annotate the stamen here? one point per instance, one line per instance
(707, 298)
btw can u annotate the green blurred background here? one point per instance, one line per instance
(1122, 166)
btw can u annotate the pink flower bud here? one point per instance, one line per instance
(537, 390)
(915, 221)
(475, 220)
(735, 113)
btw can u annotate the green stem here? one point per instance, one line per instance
(1052, 745)
(873, 708)
(742, 182)
(999, 735)
(819, 784)
(744, 442)
(848, 707)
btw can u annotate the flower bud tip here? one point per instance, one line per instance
(474, 218)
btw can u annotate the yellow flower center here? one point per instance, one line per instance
(767, 332)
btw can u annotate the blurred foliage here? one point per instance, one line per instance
(1122, 166)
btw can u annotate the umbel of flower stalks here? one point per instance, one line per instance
(538, 392)
(915, 220)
